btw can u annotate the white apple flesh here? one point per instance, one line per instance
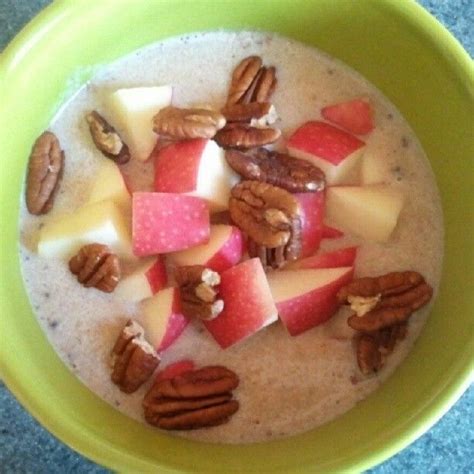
(162, 319)
(133, 110)
(224, 250)
(144, 282)
(102, 222)
(109, 183)
(368, 211)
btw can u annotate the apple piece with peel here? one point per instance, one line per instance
(109, 183)
(133, 110)
(196, 167)
(176, 368)
(224, 250)
(331, 232)
(368, 211)
(144, 282)
(331, 149)
(101, 222)
(338, 258)
(165, 222)
(307, 298)
(312, 206)
(248, 304)
(162, 319)
(355, 116)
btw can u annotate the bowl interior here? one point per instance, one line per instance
(398, 47)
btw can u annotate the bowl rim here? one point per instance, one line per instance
(104, 452)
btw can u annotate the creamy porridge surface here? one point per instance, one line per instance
(288, 384)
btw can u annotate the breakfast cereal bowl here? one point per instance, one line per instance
(400, 49)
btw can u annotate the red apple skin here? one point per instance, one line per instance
(175, 369)
(312, 205)
(230, 253)
(355, 116)
(170, 178)
(248, 304)
(325, 141)
(167, 222)
(338, 258)
(176, 324)
(313, 308)
(157, 276)
(331, 232)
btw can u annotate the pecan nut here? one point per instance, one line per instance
(269, 215)
(198, 292)
(279, 169)
(385, 285)
(245, 136)
(373, 348)
(106, 138)
(45, 169)
(246, 112)
(393, 309)
(176, 123)
(134, 359)
(194, 399)
(369, 357)
(383, 306)
(251, 82)
(96, 266)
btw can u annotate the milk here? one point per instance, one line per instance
(288, 384)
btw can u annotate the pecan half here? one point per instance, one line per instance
(373, 348)
(394, 309)
(106, 138)
(176, 123)
(369, 358)
(265, 84)
(391, 283)
(134, 359)
(383, 306)
(246, 112)
(198, 292)
(242, 78)
(279, 169)
(96, 266)
(45, 169)
(271, 217)
(251, 82)
(244, 136)
(195, 399)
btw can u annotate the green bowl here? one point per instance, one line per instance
(397, 46)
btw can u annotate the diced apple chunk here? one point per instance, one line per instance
(224, 250)
(331, 149)
(337, 258)
(196, 167)
(368, 211)
(165, 222)
(144, 282)
(162, 319)
(248, 304)
(109, 183)
(103, 222)
(133, 110)
(307, 298)
(312, 205)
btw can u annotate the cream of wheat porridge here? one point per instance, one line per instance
(287, 384)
